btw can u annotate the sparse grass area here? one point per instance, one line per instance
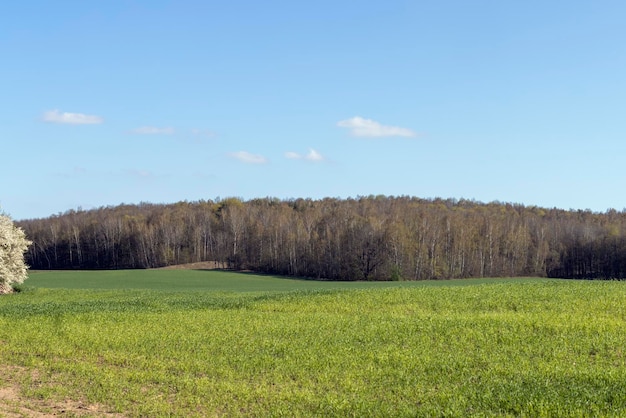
(495, 348)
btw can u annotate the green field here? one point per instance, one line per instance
(208, 280)
(210, 343)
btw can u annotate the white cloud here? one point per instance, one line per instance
(55, 116)
(152, 130)
(311, 156)
(293, 155)
(314, 155)
(369, 128)
(138, 173)
(246, 157)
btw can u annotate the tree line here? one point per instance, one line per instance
(366, 238)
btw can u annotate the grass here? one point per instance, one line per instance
(487, 348)
(206, 280)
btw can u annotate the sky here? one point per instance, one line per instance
(129, 101)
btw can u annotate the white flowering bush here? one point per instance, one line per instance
(13, 245)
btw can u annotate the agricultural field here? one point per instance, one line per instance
(211, 343)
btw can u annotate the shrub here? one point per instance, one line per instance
(13, 245)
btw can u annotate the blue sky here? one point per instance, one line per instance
(109, 102)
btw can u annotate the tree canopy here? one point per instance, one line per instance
(367, 238)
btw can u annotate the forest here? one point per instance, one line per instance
(363, 238)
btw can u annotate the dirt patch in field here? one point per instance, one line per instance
(203, 265)
(14, 405)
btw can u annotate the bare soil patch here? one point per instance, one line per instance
(203, 265)
(13, 404)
